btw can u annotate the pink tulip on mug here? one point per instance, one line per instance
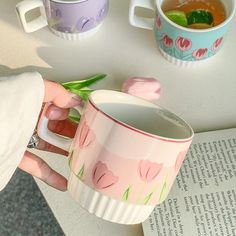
(86, 135)
(125, 154)
(102, 177)
(149, 170)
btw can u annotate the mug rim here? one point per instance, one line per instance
(226, 21)
(155, 136)
(68, 2)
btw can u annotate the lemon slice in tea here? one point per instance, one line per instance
(200, 17)
(177, 17)
(200, 26)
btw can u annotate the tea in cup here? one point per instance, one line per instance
(185, 35)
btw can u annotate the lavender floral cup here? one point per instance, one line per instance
(124, 157)
(69, 19)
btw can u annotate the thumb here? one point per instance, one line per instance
(59, 96)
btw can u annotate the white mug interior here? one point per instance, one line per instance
(141, 115)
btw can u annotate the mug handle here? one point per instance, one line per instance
(27, 5)
(141, 22)
(57, 140)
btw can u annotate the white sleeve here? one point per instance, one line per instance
(21, 99)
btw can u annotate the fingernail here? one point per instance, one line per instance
(54, 113)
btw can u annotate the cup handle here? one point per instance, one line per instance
(141, 22)
(50, 137)
(27, 5)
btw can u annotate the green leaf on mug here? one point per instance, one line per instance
(163, 192)
(81, 173)
(147, 198)
(126, 194)
(70, 159)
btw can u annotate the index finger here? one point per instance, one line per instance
(59, 96)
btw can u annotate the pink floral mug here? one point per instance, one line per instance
(124, 157)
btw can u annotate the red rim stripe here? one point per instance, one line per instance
(137, 130)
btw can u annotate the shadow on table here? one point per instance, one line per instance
(117, 21)
(67, 66)
(120, 14)
(6, 71)
(24, 210)
(60, 54)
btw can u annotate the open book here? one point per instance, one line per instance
(202, 201)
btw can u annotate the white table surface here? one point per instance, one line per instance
(205, 97)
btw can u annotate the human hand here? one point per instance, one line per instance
(57, 114)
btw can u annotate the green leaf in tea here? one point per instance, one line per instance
(200, 26)
(200, 17)
(178, 17)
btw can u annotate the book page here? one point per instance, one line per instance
(202, 201)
